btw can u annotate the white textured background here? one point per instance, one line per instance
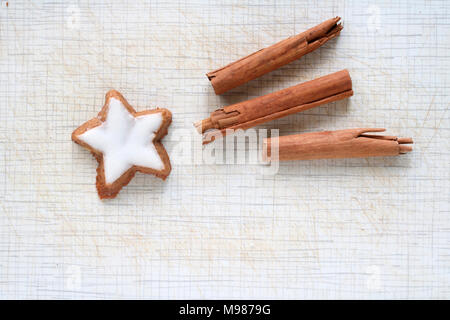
(360, 228)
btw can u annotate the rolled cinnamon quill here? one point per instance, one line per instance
(304, 96)
(350, 143)
(273, 57)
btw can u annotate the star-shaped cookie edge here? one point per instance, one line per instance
(105, 190)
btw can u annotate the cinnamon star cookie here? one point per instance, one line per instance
(125, 141)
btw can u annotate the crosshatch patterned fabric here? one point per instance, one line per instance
(352, 228)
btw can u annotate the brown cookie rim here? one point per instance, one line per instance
(105, 190)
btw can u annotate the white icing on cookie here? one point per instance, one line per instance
(125, 140)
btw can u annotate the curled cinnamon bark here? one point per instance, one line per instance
(304, 96)
(273, 57)
(349, 143)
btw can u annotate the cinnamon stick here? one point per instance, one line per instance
(304, 96)
(273, 57)
(350, 143)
